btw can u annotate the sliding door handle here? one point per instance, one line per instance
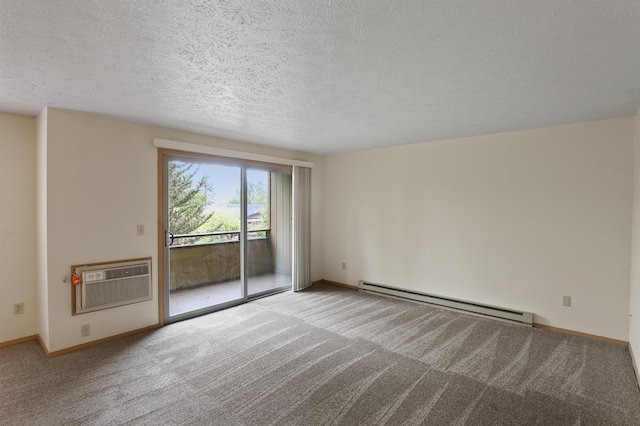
(168, 238)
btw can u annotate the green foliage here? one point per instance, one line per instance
(220, 222)
(256, 194)
(187, 199)
(188, 202)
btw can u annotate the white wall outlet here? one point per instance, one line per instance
(344, 265)
(566, 300)
(85, 330)
(18, 308)
(140, 230)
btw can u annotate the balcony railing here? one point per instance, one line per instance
(216, 237)
(194, 265)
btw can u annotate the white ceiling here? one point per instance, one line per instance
(325, 76)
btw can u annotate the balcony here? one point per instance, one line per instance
(207, 274)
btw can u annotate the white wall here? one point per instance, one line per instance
(17, 226)
(101, 183)
(634, 298)
(516, 220)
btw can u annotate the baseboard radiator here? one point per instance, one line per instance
(108, 285)
(494, 311)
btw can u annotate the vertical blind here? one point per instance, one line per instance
(301, 227)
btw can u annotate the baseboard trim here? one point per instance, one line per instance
(18, 341)
(44, 347)
(635, 366)
(97, 342)
(353, 287)
(579, 333)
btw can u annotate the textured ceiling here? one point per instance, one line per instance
(325, 76)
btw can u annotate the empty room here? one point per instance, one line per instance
(320, 212)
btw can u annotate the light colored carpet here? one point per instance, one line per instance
(327, 355)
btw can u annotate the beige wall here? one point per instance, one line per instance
(515, 220)
(17, 226)
(41, 227)
(634, 297)
(101, 183)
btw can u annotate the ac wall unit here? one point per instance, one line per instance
(107, 285)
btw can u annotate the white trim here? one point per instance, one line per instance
(204, 149)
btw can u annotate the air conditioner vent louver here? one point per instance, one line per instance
(109, 285)
(127, 272)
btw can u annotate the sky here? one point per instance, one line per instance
(226, 180)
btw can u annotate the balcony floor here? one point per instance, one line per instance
(191, 299)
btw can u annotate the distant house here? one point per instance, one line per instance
(255, 217)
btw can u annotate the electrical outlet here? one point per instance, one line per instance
(566, 300)
(140, 230)
(344, 265)
(85, 330)
(18, 308)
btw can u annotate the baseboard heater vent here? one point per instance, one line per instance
(494, 311)
(107, 285)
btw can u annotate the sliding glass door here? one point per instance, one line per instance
(268, 231)
(227, 234)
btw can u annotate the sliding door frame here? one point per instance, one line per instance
(163, 158)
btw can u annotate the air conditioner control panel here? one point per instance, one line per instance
(92, 276)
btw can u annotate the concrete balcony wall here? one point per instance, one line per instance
(196, 265)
